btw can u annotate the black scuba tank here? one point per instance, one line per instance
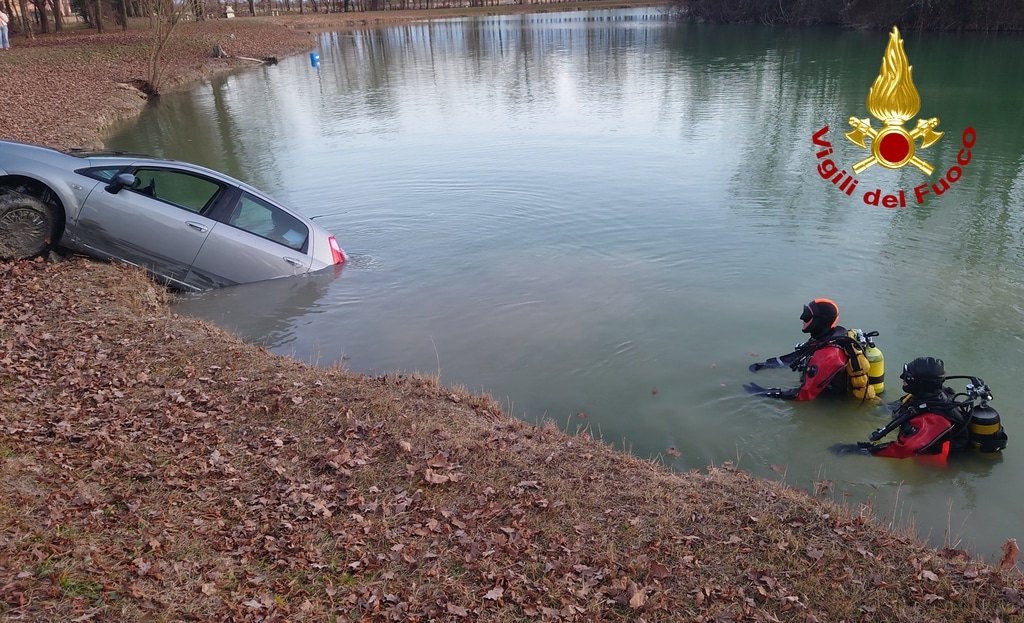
(986, 431)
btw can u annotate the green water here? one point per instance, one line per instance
(613, 214)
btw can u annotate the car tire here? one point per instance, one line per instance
(26, 227)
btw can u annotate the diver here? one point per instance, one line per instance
(934, 420)
(832, 362)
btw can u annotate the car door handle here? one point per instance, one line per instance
(294, 262)
(197, 226)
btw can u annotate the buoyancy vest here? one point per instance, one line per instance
(921, 421)
(857, 364)
(942, 405)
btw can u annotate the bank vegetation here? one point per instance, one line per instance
(908, 15)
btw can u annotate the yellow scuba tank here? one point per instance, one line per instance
(857, 367)
(876, 366)
(986, 431)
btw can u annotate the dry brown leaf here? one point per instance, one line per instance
(438, 460)
(434, 478)
(494, 594)
(659, 570)
(638, 599)
(1010, 553)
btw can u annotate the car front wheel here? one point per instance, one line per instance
(26, 227)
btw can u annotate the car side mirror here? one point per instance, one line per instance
(121, 180)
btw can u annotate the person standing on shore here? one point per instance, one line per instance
(5, 41)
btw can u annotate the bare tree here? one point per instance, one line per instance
(44, 21)
(165, 16)
(94, 8)
(58, 16)
(120, 9)
(26, 24)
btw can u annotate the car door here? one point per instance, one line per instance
(256, 240)
(157, 223)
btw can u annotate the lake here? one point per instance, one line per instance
(602, 218)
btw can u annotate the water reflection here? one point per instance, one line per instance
(268, 312)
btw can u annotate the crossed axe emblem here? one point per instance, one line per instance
(892, 146)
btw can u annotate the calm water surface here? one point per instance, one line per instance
(613, 214)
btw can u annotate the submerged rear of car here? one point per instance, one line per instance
(191, 227)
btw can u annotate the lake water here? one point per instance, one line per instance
(603, 218)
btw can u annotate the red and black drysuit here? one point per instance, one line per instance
(932, 425)
(821, 362)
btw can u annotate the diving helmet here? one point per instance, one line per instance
(923, 376)
(820, 316)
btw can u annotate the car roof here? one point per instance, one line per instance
(109, 153)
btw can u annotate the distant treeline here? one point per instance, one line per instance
(986, 15)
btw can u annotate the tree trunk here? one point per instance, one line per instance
(124, 15)
(252, 6)
(26, 23)
(44, 21)
(95, 10)
(58, 16)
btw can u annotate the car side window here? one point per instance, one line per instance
(183, 189)
(105, 174)
(256, 216)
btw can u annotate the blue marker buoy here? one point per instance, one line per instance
(314, 59)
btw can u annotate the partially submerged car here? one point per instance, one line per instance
(190, 227)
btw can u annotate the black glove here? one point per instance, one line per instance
(757, 390)
(861, 447)
(774, 362)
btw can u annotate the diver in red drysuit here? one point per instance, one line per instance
(821, 360)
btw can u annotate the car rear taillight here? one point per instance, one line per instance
(336, 253)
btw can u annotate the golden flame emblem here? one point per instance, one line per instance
(893, 100)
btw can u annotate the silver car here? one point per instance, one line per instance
(191, 227)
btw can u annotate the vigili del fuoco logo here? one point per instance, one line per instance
(892, 100)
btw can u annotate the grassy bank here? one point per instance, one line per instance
(156, 468)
